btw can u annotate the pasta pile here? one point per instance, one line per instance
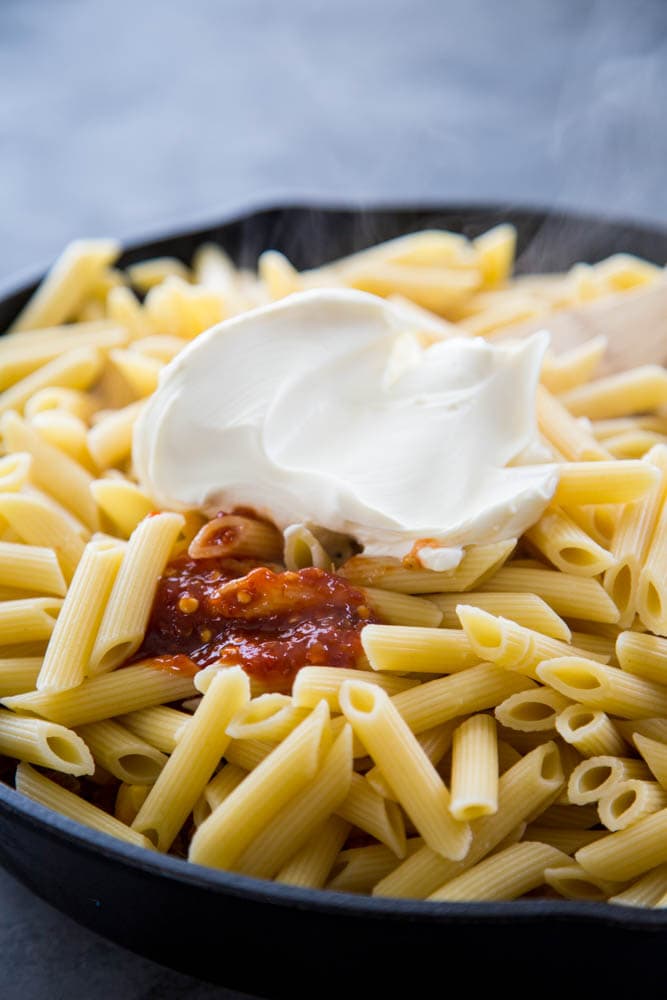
(505, 731)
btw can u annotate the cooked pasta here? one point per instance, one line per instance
(274, 701)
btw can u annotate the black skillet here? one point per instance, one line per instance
(280, 941)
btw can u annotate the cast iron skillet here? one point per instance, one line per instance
(280, 941)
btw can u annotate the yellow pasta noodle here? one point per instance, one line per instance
(532, 711)
(528, 610)
(573, 882)
(568, 595)
(567, 546)
(566, 434)
(31, 567)
(573, 367)
(71, 643)
(33, 784)
(607, 688)
(104, 697)
(39, 523)
(159, 725)
(311, 865)
(655, 755)
(628, 853)
(630, 800)
(121, 753)
(474, 784)
(591, 731)
(371, 812)
(403, 609)
(646, 891)
(605, 482)
(597, 776)
(634, 391)
(194, 759)
(505, 875)
(77, 368)
(412, 649)
(643, 655)
(110, 439)
(46, 743)
(126, 614)
(123, 503)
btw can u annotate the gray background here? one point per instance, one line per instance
(128, 116)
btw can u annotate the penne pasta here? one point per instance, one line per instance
(402, 609)
(620, 395)
(567, 546)
(506, 875)
(364, 807)
(573, 882)
(654, 753)
(567, 435)
(122, 502)
(532, 711)
(598, 776)
(646, 891)
(121, 753)
(590, 731)
(36, 786)
(302, 548)
(190, 767)
(160, 726)
(628, 801)
(32, 568)
(628, 853)
(71, 644)
(474, 783)
(607, 688)
(46, 743)
(39, 523)
(417, 650)
(605, 482)
(110, 439)
(126, 614)
(311, 865)
(568, 595)
(528, 610)
(128, 690)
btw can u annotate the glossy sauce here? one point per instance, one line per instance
(271, 623)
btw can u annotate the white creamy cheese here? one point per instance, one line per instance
(328, 408)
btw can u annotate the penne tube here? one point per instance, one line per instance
(568, 595)
(573, 882)
(36, 786)
(652, 586)
(634, 391)
(71, 644)
(598, 776)
(478, 563)
(314, 684)
(139, 686)
(567, 546)
(298, 822)
(146, 274)
(417, 650)
(18, 674)
(367, 809)
(278, 274)
(311, 865)
(630, 800)
(126, 614)
(599, 647)
(161, 346)
(532, 711)
(123, 503)
(110, 440)
(655, 755)
(67, 284)
(496, 249)
(124, 308)
(160, 726)
(528, 610)
(472, 690)
(605, 482)
(523, 790)
(646, 891)
(567, 840)
(402, 609)
(283, 774)
(302, 548)
(234, 535)
(66, 433)
(129, 800)
(643, 655)
(77, 368)
(358, 869)
(628, 853)
(506, 875)
(22, 354)
(590, 731)
(567, 435)
(45, 743)
(395, 750)
(31, 567)
(29, 619)
(14, 472)
(194, 759)
(269, 717)
(607, 688)
(606, 429)
(139, 372)
(633, 444)
(474, 783)
(121, 753)
(52, 470)
(39, 523)
(509, 645)
(574, 367)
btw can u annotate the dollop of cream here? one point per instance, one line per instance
(329, 408)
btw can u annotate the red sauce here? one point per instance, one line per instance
(272, 623)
